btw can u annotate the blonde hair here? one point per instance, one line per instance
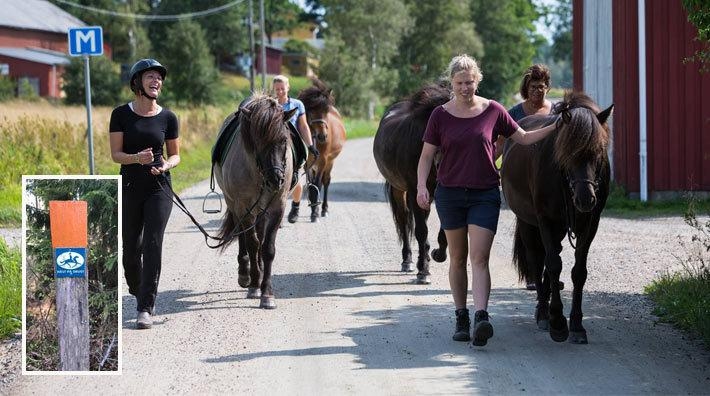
(280, 78)
(461, 63)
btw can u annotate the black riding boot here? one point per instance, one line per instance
(293, 214)
(463, 325)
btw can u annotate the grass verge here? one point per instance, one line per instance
(10, 290)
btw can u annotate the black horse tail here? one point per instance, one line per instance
(403, 217)
(520, 259)
(226, 230)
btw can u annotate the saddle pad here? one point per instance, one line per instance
(225, 138)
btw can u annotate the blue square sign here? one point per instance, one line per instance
(70, 262)
(86, 41)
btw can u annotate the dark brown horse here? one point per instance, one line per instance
(397, 146)
(255, 178)
(328, 133)
(557, 188)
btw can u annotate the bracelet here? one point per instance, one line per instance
(136, 158)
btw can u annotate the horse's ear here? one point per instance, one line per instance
(289, 114)
(604, 115)
(245, 111)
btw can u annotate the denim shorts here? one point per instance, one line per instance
(459, 206)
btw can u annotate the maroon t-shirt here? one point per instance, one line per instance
(467, 145)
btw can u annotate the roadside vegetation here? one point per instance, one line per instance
(10, 290)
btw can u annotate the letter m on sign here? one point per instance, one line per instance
(86, 41)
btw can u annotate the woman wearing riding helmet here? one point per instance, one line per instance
(138, 132)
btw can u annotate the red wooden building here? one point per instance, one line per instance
(660, 102)
(34, 45)
(273, 59)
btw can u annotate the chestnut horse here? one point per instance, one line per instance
(328, 133)
(558, 187)
(397, 146)
(255, 178)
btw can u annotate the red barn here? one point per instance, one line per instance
(661, 122)
(33, 43)
(273, 59)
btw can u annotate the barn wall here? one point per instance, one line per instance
(18, 38)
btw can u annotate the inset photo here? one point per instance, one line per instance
(71, 295)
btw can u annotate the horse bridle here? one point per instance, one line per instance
(569, 207)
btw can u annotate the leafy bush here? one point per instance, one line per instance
(106, 86)
(7, 88)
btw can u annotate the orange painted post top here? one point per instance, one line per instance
(68, 223)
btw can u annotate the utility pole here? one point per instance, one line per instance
(252, 55)
(263, 44)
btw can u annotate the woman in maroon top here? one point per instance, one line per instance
(464, 130)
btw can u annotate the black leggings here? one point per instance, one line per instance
(146, 210)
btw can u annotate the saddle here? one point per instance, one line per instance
(228, 132)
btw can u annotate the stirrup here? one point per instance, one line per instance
(212, 210)
(313, 194)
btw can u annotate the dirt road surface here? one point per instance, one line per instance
(348, 322)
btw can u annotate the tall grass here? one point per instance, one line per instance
(10, 289)
(56, 143)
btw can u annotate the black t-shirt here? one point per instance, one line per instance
(141, 132)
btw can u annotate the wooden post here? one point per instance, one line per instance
(68, 226)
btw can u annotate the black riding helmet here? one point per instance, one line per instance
(142, 66)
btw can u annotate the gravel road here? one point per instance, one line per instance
(348, 322)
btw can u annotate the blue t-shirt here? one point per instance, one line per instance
(292, 103)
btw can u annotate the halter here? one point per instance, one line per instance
(569, 207)
(319, 121)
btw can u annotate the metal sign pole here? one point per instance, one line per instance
(89, 130)
(263, 44)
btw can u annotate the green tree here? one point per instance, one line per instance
(280, 15)
(509, 39)
(445, 23)
(191, 68)
(361, 40)
(106, 86)
(560, 18)
(102, 218)
(226, 32)
(699, 16)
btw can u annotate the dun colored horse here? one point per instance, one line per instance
(397, 146)
(328, 132)
(255, 177)
(558, 187)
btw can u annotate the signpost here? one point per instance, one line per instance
(68, 227)
(87, 41)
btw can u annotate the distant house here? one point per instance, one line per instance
(273, 59)
(661, 120)
(34, 44)
(299, 64)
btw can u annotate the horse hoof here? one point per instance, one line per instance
(254, 292)
(314, 218)
(439, 255)
(559, 335)
(324, 213)
(423, 279)
(244, 280)
(407, 266)
(268, 302)
(543, 324)
(578, 337)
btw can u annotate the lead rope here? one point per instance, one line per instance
(223, 241)
(569, 218)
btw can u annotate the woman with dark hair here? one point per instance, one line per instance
(144, 140)
(533, 90)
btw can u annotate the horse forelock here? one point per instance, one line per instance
(264, 125)
(317, 98)
(581, 138)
